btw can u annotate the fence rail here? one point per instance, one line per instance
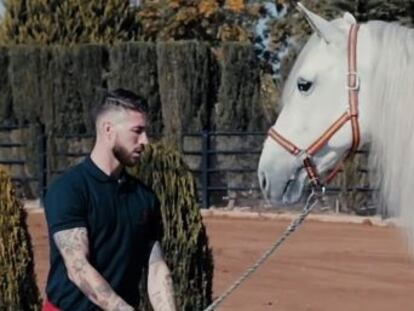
(39, 160)
(205, 169)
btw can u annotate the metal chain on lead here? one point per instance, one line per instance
(311, 201)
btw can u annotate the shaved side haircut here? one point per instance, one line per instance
(119, 100)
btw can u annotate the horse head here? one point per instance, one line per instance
(314, 99)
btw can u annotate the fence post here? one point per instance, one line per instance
(42, 161)
(204, 168)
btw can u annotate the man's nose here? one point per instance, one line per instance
(144, 139)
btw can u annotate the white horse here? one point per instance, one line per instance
(322, 88)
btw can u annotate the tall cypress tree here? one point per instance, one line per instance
(18, 289)
(185, 240)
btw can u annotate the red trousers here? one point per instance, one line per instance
(48, 306)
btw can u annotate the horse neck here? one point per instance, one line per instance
(390, 109)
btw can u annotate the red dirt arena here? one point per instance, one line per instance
(324, 266)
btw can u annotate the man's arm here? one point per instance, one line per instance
(160, 288)
(73, 245)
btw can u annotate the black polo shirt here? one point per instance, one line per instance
(123, 220)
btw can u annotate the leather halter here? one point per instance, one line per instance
(350, 115)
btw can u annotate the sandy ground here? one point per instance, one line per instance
(324, 266)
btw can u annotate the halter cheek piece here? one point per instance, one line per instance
(351, 114)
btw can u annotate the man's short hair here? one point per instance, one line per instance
(120, 99)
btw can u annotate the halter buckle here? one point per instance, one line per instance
(355, 76)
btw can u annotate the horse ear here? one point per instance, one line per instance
(349, 18)
(324, 29)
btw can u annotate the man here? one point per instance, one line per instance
(104, 225)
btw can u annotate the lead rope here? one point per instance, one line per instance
(311, 201)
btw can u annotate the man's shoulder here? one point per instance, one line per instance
(65, 202)
(72, 178)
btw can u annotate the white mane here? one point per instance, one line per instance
(391, 92)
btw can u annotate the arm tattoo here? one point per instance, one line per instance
(156, 253)
(105, 290)
(169, 303)
(79, 265)
(87, 289)
(73, 245)
(160, 284)
(71, 241)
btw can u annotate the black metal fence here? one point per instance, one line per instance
(207, 151)
(14, 153)
(207, 167)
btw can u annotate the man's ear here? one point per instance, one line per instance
(106, 130)
(107, 127)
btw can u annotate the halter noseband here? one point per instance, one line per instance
(350, 115)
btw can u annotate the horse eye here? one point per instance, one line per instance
(304, 85)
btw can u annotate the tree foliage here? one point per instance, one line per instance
(68, 22)
(18, 289)
(391, 10)
(207, 20)
(107, 21)
(185, 240)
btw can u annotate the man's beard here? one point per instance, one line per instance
(123, 156)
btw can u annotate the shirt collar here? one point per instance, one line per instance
(100, 175)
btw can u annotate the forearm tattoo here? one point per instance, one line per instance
(163, 299)
(74, 247)
(160, 281)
